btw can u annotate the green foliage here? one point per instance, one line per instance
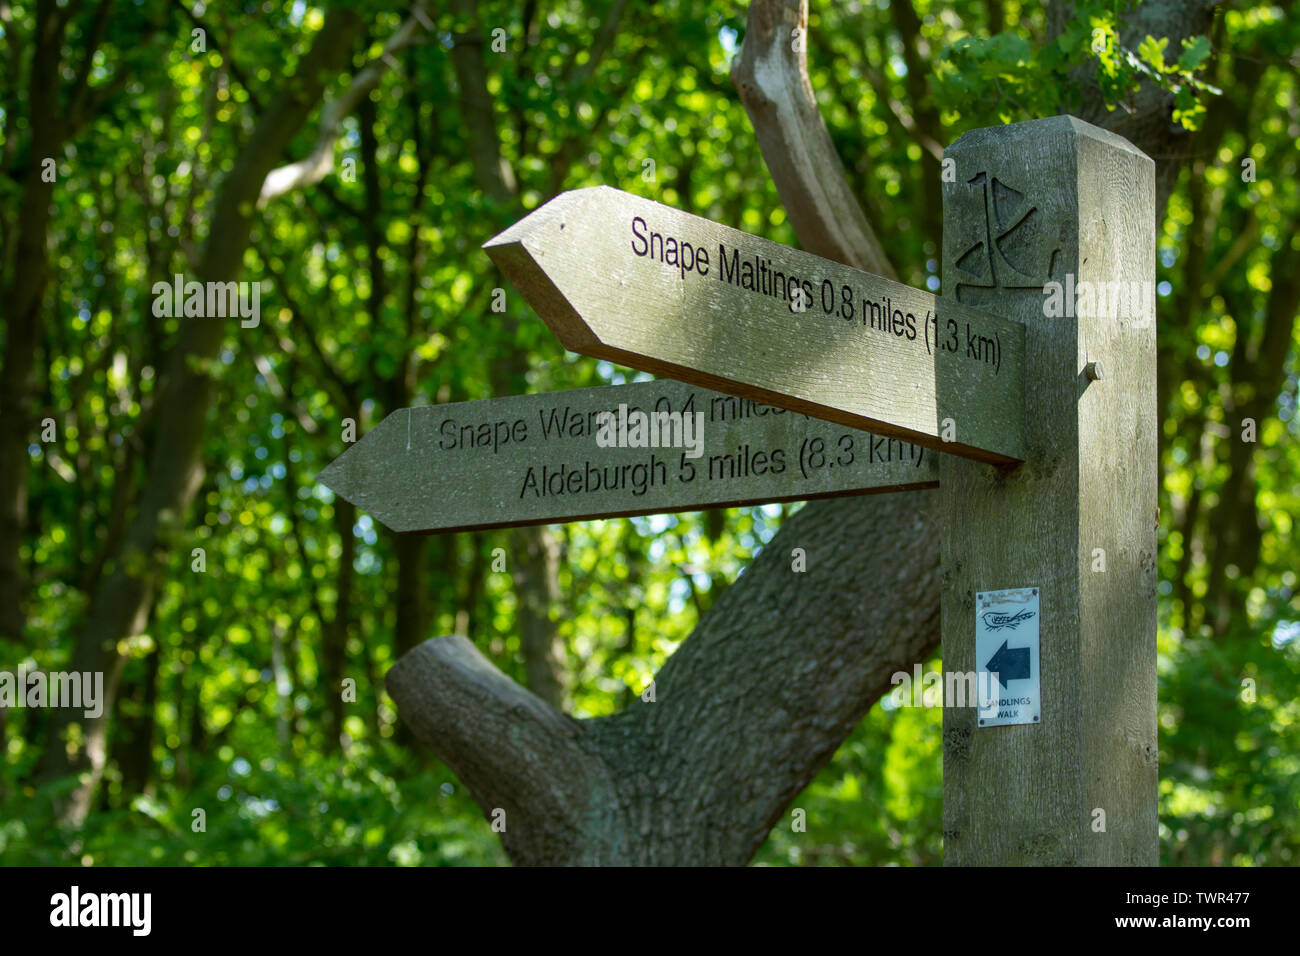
(368, 808)
(1020, 79)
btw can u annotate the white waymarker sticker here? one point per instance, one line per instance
(1006, 655)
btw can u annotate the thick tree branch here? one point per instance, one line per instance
(771, 75)
(746, 712)
(514, 752)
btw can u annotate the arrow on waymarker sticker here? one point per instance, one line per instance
(1009, 664)
(650, 287)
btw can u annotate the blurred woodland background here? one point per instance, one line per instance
(418, 133)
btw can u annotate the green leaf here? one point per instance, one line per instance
(1196, 51)
(1152, 51)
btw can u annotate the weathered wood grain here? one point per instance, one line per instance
(1035, 202)
(716, 307)
(534, 459)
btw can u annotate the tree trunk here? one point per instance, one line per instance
(134, 746)
(22, 312)
(533, 560)
(536, 568)
(746, 712)
(334, 633)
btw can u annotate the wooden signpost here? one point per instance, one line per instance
(647, 286)
(1059, 201)
(1047, 498)
(537, 459)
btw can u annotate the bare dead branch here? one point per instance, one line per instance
(320, 163)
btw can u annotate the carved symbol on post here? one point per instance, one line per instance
(1010, 251)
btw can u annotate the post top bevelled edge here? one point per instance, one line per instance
(1047, 126)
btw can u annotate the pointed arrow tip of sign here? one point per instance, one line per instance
(518, 253)
(357, 475)
(502, 238)
(340, 477)
(517, 232)
(331, 477)
(341, 481)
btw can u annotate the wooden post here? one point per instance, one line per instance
(1027, 207)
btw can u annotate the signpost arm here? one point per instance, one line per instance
(1058, 201)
